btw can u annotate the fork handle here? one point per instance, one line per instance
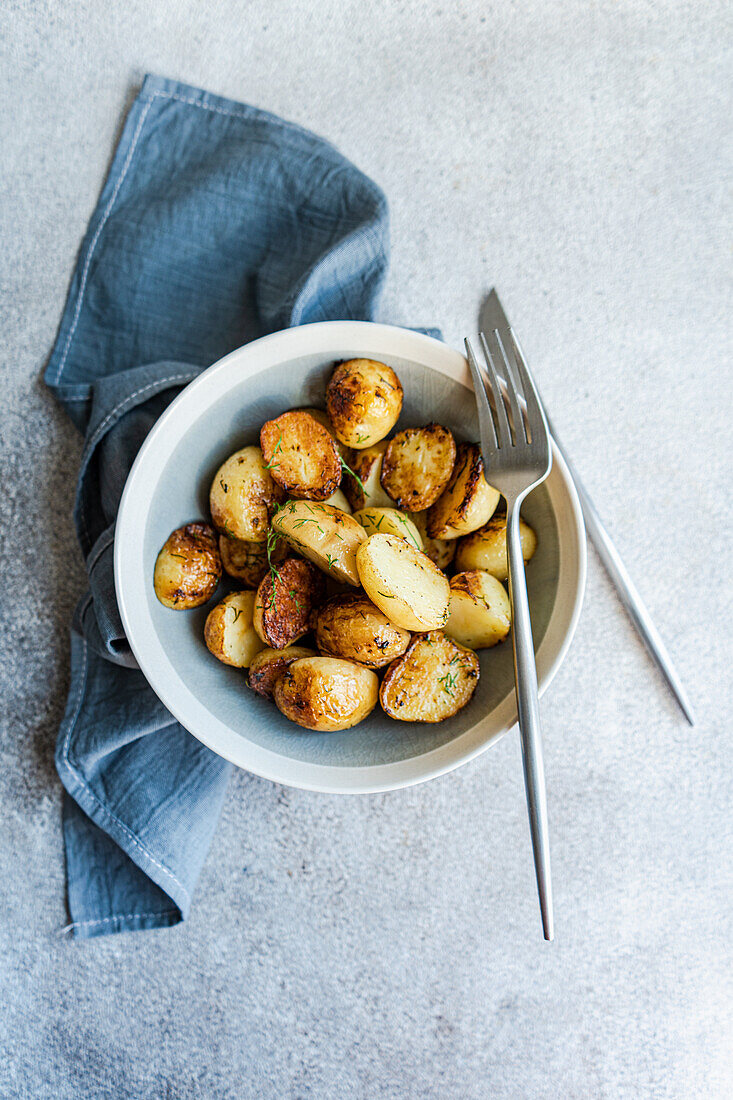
(525, 678)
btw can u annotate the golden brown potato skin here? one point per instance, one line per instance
(301, 455)
(480, 611)
(229, 634)
(432, 681)
(417, 466)
(322, 417)
(364, 401)
(350, 626)
(368, 491)
(247, 561)
(467, 502)
(243, 495)
(188, 567)
(269, 665)
(286, 600)
(486, 548)
(326, 693)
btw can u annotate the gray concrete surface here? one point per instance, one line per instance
(575, 154)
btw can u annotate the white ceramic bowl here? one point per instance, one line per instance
(168, 486)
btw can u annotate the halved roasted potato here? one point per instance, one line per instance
(242, 496)
(229, 632)
(362, 483)
(301, 455)
(269, 665)
(403, 583)
(285, 601)
(326, 693)
(417, 466)
(364, 401)
(468, 500)
(188, 567)
(480, 611)
(440, 551)
(351, 627)
(338, 500)
(247, 561)
(432, 681)
(390, 522)
(486, 548)
(325, 535)
(322, 417)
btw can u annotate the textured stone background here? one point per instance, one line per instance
(575, 154)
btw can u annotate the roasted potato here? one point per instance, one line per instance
(351, 627)
(242, 496)
(390, 522)
(322, 417)
(338, 500)
(301, 455)
(188, 567)
(432, 681)
(486, 548)
(285, 601)
(247, 561)
(325, 535)
(229, 633)
(364, 490)
(326, 694)
(467, 502)
(440, 551)
(417, 466)
(480, 611)
(403, 583)
(364, 401)
(269, 665)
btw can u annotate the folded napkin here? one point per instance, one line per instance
(218, 223)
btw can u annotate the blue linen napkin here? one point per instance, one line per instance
(218, 223)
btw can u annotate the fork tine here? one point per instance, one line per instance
(514, 390)
(535, 412)
(487, 428)
(502, 420)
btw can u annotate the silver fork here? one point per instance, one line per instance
(515, 445)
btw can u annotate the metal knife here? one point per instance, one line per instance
(491, 317)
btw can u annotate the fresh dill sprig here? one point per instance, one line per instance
(272, 538)
(356, 477)
(406, 524)
(449, 682)
(272, 465)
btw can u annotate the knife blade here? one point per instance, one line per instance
(492, 316)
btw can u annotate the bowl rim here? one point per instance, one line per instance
(324, 337)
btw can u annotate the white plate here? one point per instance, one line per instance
(168, 485)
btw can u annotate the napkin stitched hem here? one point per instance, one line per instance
(122, 921)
